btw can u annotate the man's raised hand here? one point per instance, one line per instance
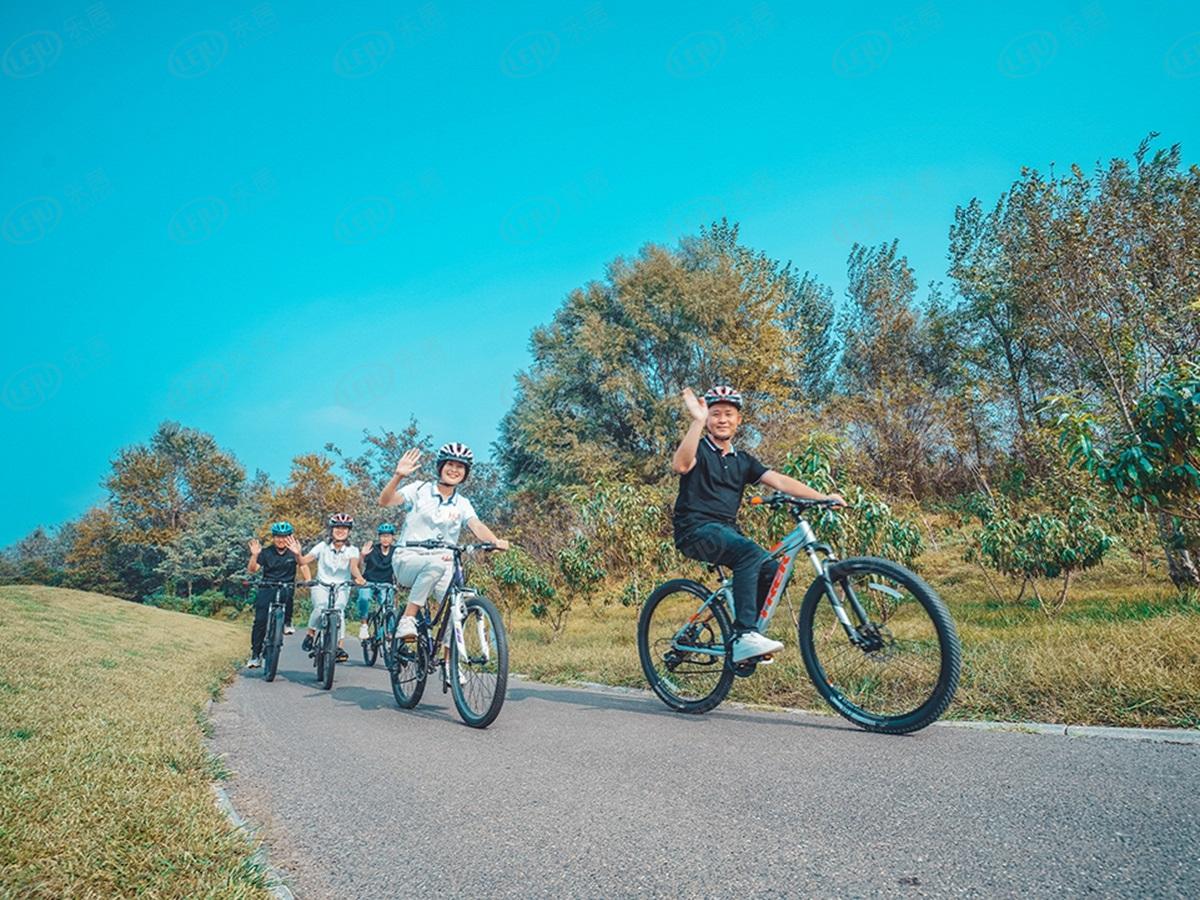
(255, 546)
(408, 463)
(293, 545)
(696, 406)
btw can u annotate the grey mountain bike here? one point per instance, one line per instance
(464, 641)
(324, 646)
(876, 640)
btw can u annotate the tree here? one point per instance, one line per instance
(213, 549)
(891, 378)
(100, 559)
(312, 493)
(155, 488)
(1155, 465)
(601, 398)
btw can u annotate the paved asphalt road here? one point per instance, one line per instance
(587, 793)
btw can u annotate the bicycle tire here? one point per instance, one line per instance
(684, 597)
(486, 673)
(274, 643)
(410, 671)
(370, 646)
(832, 686)
(329, 654)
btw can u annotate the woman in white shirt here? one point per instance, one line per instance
(433, 511)
(337, 563)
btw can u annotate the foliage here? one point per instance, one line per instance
(521, 578)
(1039, 545)
(601, 399)
(213, 548)
(1155, 464)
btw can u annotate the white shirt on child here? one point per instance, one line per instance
(333, 566)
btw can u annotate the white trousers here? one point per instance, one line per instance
(320, 597)
(423, 572)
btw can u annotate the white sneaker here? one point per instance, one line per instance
(406, 629)
(751, 644)
(363, 633)
(254, 662)
(289, 630)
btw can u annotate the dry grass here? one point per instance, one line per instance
(1125, 651)
(105, 785)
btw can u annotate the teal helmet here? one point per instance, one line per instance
(281, 529)
(387, 528)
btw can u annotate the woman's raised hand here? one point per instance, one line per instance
(408, 463)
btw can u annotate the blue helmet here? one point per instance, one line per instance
(282, 529)
(387, 528)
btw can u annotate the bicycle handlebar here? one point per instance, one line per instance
(779, 499)
(446, 545)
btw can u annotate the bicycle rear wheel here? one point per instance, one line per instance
(906, 675)
(683, 652)
(479, 677)
(273, 643)
(408, 671)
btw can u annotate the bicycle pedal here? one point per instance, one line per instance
(765, 660)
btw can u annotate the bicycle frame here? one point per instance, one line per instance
(450, 608)
(801, 540)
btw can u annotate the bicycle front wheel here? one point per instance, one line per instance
(408, 671)
(479, 675)
(370, 647)
(905, 675)
(274, 643)
(683, 650)
(329, 654)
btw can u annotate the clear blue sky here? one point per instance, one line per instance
(283, 223)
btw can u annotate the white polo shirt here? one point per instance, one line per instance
(431, 518)
(333, 566)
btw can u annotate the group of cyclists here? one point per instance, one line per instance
(434, 510)
(877, 642)
(713, 476)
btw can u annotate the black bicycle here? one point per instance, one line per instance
(465, 640)
(273, 641)
(324, 644)
(876, 640)
(381, 624)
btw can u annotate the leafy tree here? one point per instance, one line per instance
(213, 549)
(1039, 545)
(102, 558)
(601, 398)
(155, 488)
(313, 491)
(1155, 465)
(523, 578)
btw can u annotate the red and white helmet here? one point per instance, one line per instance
(341, 520)
(723, 393)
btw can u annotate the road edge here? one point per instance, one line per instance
(278, 887)
(1148, 735)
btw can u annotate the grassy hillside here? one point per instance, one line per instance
(104, 779)
(1125, 651)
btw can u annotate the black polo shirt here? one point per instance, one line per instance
(377, 566)
(277, 566)
(712, 490)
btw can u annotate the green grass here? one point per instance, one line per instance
(105, 784)
(1124, 651)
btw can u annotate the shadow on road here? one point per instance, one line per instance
(649, 706)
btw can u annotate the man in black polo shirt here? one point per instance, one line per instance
(712, 477)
